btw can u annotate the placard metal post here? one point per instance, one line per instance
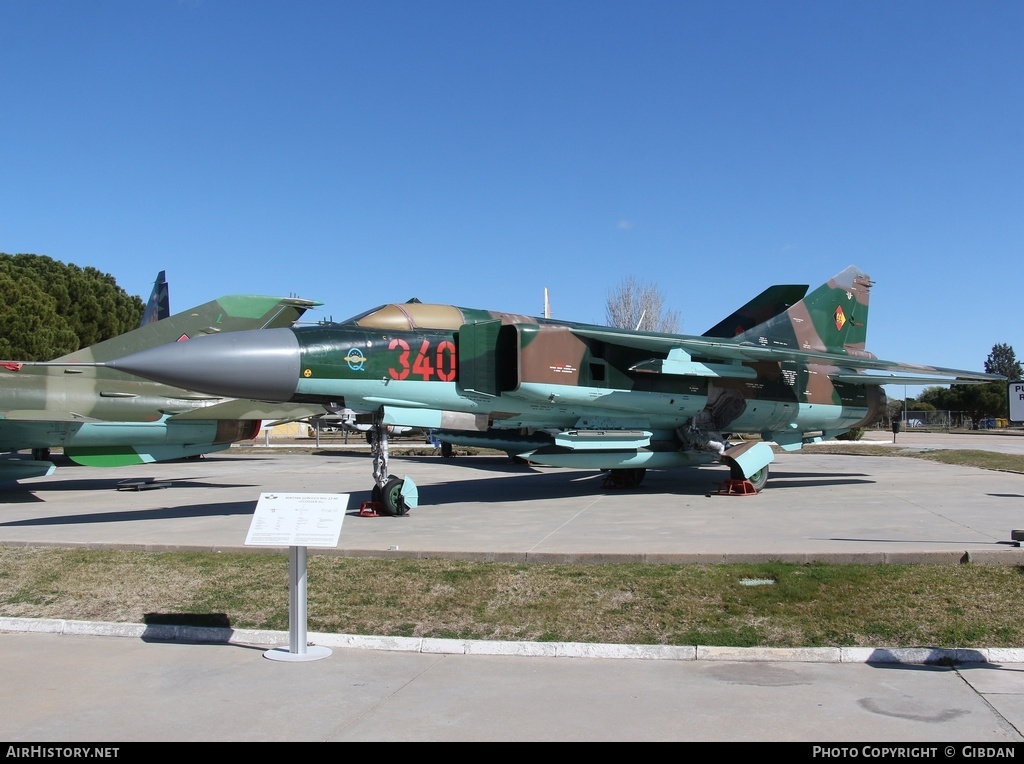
(298, 521)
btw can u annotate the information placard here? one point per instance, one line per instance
(1015, 394)
(297, 519)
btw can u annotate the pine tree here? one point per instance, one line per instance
(1002, 360)
(48, 308)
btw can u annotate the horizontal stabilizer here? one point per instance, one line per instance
(127, 456)
(18, 469)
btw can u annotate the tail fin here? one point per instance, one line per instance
(833, 318)
(159, 305)
(226, 314)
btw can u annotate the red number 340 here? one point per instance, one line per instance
(443, 364)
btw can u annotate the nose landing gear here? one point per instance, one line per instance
(391, 496)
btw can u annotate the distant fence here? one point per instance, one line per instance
(949, 420)
(930, 420)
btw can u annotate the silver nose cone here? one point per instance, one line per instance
(260, 365)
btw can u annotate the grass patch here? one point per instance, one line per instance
(989, 460)
(964, 457)
(805, 605)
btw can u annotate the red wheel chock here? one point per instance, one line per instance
(371, 509)
(737, 488)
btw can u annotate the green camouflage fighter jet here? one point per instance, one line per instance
(557, 393)
(103, 417)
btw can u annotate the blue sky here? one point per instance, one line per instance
(477, 152)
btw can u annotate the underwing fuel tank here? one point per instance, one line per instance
(744, 460)
(258, 365)
(614, 460)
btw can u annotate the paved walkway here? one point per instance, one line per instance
(109, 690)
(816, 507)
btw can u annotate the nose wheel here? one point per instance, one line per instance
(390, 497)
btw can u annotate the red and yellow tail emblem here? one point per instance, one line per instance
(840, 318)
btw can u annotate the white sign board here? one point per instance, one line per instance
(297, 519)
(1015, 393)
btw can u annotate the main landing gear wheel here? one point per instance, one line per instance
(759, 479)
(625, 478)
(391, 498)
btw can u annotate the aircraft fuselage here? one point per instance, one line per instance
(792, 369)
(499, 371)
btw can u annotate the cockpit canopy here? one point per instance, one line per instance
(409, 316)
